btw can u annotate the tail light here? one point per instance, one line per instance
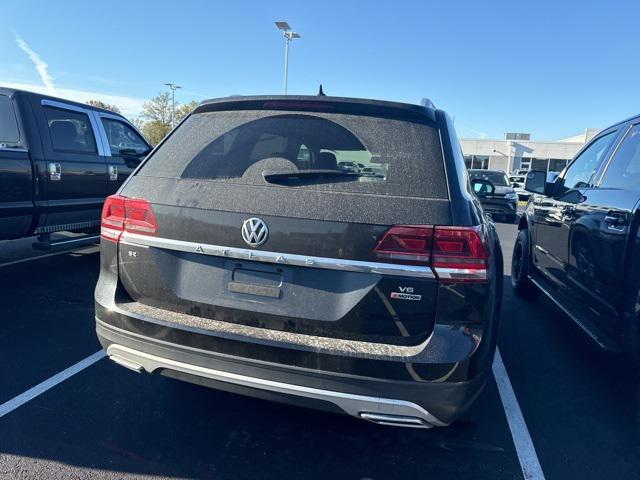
(456, 254)
(120, 214)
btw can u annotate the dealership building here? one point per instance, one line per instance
(517, 151)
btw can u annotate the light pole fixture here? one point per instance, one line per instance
(288, 36)
(173, 88)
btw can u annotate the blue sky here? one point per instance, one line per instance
(549, 68)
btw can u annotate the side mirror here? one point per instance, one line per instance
(535, 181)
(128, 152)
(482, 188)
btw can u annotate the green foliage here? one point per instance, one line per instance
(155, 130)
(104, 105)
(155, 120)
(184, 110)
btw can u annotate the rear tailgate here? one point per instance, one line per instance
(316, 272)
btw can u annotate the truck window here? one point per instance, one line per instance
(9, 132)
(583, 168)
(70, 131)
(122, 137)
(624, 169)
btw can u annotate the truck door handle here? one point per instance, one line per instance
(113, 172)
(615, 221)
(55, 172)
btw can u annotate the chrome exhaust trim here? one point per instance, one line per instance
(395, 420)
(123, 362)
(385, 411)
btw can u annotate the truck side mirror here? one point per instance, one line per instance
(535, 181)
(482, 187)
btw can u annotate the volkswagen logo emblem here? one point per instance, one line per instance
(254, 231)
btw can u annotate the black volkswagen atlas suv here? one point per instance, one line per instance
(240, 256)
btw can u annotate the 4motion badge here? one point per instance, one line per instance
(405, 293)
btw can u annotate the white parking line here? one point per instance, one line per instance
(51, 382)
(38, 257)
(527, 456)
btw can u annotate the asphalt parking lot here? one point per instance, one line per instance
(103, 421)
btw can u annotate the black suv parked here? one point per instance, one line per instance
(503, 203)
(241, 257)
(579, 241)
(59, 160)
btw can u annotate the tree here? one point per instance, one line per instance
(155, 120)
(184, 110)
(156, 114)
(104, 105)
(155, 130)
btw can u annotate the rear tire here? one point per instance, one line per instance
(520, 267)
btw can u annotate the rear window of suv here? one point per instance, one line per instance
(370, 155)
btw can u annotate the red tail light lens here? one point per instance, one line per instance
(139, 217)
(113, 218)
(409, 244)
(456, 254)
(455, 247)
(120, 214)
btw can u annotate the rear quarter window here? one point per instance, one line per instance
(9, 132)
(386, 156)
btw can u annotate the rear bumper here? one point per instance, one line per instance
(413, 404)
(434, 382)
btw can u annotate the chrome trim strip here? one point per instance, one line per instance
(67, 226)
(279, 258)
(101, 133)
(8, 149)
(538, 247)
(64, 106)
(352, 404)
(118, 118)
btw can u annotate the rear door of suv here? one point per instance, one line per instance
(242, 217)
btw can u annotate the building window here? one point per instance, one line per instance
(557, 164)
(545, 164)
(525, 163)
(477, 162)
(539, 164)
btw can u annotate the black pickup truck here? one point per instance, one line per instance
(579, 238)
(58, 161)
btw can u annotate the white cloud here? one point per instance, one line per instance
(41, 65)
(476, 132)
(130, 106)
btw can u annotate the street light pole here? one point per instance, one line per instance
(286, 61)
(288, 36)
(173, 88)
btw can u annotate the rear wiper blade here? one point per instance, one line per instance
(275, 176)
